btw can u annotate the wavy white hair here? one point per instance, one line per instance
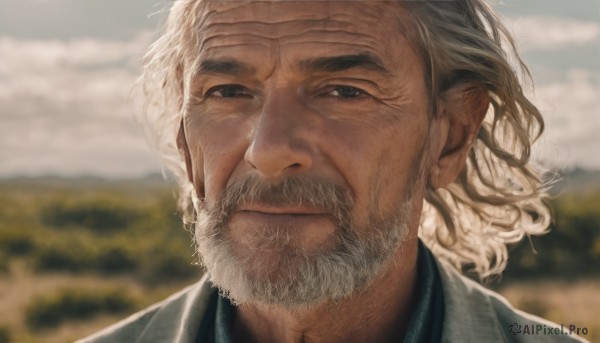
(499, 196)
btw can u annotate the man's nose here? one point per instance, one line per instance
(281, 143)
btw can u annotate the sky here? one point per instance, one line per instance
(68, 70)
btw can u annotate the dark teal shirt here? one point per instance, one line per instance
(425, 323)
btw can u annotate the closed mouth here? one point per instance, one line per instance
(285, 210)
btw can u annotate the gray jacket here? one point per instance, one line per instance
(473, 314)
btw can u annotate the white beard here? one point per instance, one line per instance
(301, 280)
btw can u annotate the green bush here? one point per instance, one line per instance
(5, 334)
(101, 215)
(155, 256)
(108, 229)
(4, 266)
(74, 304)
(570, 249)
(83, 252)
(62, 255)
(17, 241)
(115, 258)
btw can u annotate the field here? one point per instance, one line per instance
(79, 254)
(564, 302)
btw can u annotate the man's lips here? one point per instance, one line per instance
(281, 217)
(276, 210)
(307, 227)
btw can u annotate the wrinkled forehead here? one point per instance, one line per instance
(374, 24)
(371, 12)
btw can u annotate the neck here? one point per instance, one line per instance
(378, 314)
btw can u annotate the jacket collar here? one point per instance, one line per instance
(469, 315)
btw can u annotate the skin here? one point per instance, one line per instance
(262, 105)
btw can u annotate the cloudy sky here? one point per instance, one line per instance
(68, 67)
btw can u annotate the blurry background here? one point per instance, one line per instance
(89, 231)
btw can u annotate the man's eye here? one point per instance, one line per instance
(228, 91)
(346, 92)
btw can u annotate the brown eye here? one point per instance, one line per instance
(228, 91)
(347, 92)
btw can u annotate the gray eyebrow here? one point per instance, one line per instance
(226, 67)
(344, 62)
(322, 64)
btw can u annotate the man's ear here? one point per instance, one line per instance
(184, 150)
(464, 107)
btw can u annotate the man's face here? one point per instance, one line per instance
(306, 130)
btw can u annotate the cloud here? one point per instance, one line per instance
(66, 107)
(563, 56)
(571, 108)
(553, 33)
(25, 56)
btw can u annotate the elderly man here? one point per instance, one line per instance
(341, 162)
